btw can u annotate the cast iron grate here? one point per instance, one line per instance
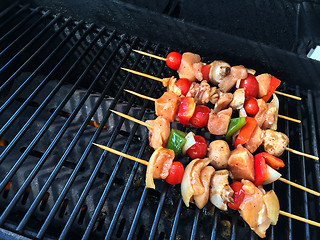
(59, 78)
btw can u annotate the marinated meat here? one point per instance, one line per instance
(223, 102)
(197, 70)
(236, 73)
(221, 193)
(159, 133)
(256, 139)
(218, 122)
(201, 92)
(191, 184)
(167, 106)
(241, 164)
(260, 116)
(205, 176)
(253, 209)
(275, 142)
(159, 164)
(186, 69)
(238, 99)
(264, 82)
(219, 153)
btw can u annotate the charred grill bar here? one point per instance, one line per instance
(58, 79)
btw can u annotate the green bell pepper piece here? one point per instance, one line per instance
(176, 140)
(235, 125)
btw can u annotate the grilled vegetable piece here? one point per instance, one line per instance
(274, 142)
(218, 71)
(219, 153)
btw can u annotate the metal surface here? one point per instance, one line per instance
(59, 78)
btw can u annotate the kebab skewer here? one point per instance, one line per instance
(240, 161)
(257, 207)
(188, 65)
(203, 93)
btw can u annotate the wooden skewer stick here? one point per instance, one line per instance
(141, 95)
(301, 153)
(122, 154)
(150, 55)
(289, 118)
(143, 74)
(299, 186)
(153, 99)
(288, 95)
(299, 218)
(132, 119)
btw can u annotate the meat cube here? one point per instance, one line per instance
(186, 69)
(159, 133)
(221, 193)
(205, 176)
(167, 106)
(264, 82)
(218, 122)
(236, 73)
(241, 164)
(223, 101)
(238, 99)
(256, 139)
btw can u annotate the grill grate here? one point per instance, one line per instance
(59, 78)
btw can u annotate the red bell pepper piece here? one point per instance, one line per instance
(186, 110)
(238, 195)
(260, 170)
(274, 83)
(272, 161)
(246, 131)
(205, 72)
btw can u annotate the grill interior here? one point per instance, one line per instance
(59, 78)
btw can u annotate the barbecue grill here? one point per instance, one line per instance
(60, 76)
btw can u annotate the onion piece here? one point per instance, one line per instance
(149, 172)
(189, 143)
(275, 101)
(273, 207)
(273, 175)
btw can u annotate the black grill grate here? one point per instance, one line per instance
(59, 78)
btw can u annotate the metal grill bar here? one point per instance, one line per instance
(111, 179)
(14, 16)
(53, 143)
(137, 214)
(195, 224)
(303, 171)
(25, 47)
(46, 43)
(35, 92)
(287, 130)
(67, 152)
(28, 30)
(45, 102)
(176, 221)
(23, 21)
(114, 172)
(8, 9)
(72, 177)
(9, 175)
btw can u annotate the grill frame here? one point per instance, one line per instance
(166, 192)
